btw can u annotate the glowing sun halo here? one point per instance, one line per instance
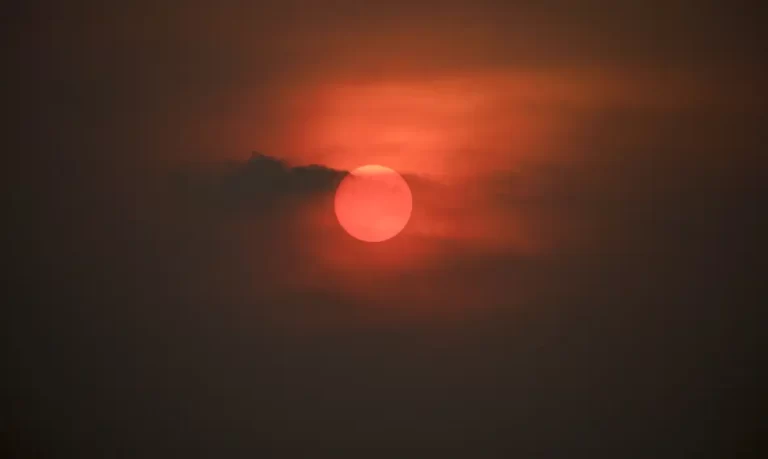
(373, 203)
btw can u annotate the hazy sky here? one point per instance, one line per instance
(576, 279)
(435, 81)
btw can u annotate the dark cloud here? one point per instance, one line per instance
(263, 175)
(262, 182)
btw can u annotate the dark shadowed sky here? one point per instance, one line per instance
(579, 277)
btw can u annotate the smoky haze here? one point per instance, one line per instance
(182, 325)
(591, 291)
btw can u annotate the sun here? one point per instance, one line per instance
(373, 203)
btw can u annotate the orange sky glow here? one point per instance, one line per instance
(460, 124)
